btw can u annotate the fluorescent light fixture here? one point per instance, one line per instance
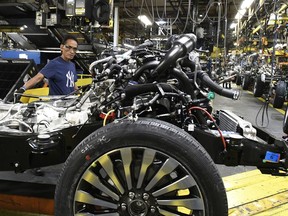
(144, 19)
(240, 14)
(246, 4)
(160, 22)
(233, 25)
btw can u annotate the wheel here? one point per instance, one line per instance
(259, 87)
(285, 121)
(280, 93)
(245, 82)
(145, 167)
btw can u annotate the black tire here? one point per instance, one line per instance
(246, 82)
(137, 168)
(280, 93)
(259, 87)
(285, 122)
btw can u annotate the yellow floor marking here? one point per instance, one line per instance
(258, 191)
(244, 175)
(236, 184)
(278, 211)
(272, 203)
(253, 193)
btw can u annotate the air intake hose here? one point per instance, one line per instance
(203, 76)
(181, 46)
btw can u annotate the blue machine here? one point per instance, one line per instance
(21, 54)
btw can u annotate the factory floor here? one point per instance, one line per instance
(249, 192)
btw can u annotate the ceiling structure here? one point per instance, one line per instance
(185, 15)
(41, 24)
(181, 16)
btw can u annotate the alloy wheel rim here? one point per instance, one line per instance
(137, 181)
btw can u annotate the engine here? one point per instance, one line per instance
(41, 117)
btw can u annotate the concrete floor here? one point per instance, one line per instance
(27, 184)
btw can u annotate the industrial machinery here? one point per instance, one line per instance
(152, 137)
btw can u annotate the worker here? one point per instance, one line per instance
(60, 71)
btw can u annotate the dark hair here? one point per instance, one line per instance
(69, 37)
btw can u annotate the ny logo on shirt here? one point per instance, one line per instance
(70, 79)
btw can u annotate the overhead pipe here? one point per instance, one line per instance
(116, 27)
(219, 23)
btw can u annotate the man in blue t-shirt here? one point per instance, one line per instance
(60, 72)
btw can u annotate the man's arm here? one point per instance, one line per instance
(75, 86)
(33, 81)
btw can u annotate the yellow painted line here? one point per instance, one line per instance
(281, 111)
(278, 211)
(275, 203)
(253, 193)
(258, 191)
(247, 181)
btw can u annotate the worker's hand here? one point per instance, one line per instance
(17, 94)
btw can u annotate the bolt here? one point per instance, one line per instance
(123, 206)
(131, 195)
(153, 209)
(145, 196)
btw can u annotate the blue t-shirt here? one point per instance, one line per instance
(62, 76)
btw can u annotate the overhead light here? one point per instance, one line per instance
(246, 4)
(145, 20)
(233, 25)
(23, 27)
(240, 14)
(160, 22)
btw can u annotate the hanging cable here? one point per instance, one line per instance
(127, 11)
(178, 11)
(188, 15)
(148, 11)
(152, 7)
(208, 7)
(265, 106)
(157, 11)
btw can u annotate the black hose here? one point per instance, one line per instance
(187, 63)
(114, 68)
(139, 72)
(110, 62)
(184, 81)
(147, 43)
(204, 77)
(134, 90)
(184, 44)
